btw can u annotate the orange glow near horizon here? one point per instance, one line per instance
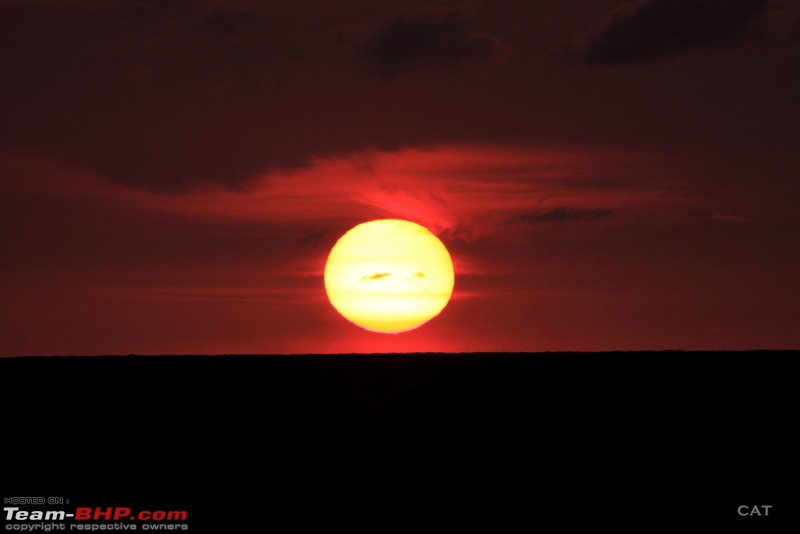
(389, 276)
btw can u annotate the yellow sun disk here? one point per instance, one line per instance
(389, 275)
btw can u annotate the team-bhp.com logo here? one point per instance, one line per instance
(86, 513)
(94, 519)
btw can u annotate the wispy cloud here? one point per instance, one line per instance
(564, 215)
(464, 192)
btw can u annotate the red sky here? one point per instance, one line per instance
(607, 175)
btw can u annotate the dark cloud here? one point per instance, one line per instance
(173, 95)
(170, 96)
(156, 95)
(376, 276)
(658, 28)
(564, 215)
(426, 39)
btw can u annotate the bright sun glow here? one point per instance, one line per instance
(389, 276)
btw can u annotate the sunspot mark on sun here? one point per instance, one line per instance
(376, 276)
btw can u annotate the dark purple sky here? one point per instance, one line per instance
(607, 175)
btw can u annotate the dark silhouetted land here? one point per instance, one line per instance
(621, 442)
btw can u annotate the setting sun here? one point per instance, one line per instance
(389, 276)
